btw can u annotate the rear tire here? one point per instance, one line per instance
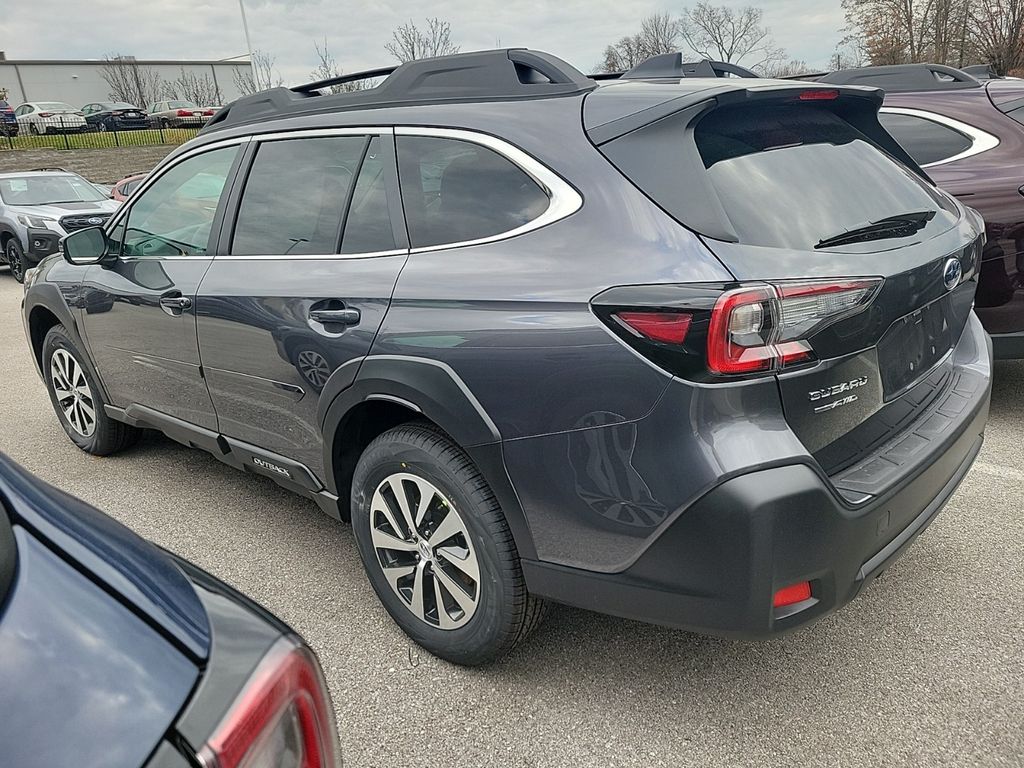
(452, 580)
(77, 400)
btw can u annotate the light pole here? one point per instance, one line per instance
(248, 40)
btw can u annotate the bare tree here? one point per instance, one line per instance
(659, 33)
(910, 31)
(735, 35)
(188, 86)
(259, 76)
(129, 81)
(328, 68)
(409, 42)
(789, 68)
(998, 29)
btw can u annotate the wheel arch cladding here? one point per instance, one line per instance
(391, 390)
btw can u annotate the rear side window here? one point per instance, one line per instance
(456, 191)
(789, 176)
(295, 196)
(925, 140)
(368, 223)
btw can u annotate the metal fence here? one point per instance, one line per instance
(73, 132)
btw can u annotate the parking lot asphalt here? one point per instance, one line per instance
(925, 669)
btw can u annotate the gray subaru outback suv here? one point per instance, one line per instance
(691, 350)
(38, 208)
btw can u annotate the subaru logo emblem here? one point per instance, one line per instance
(951, 274)
(95, 220)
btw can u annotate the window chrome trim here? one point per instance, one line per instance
(981, 141)
(160, 170)
(563, 199)
(314, 133)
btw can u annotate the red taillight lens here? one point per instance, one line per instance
(184, 113)
(282, 718)
(762, 328)
(46, 114)
(793, 594)
(208, 112)
(828, 95)
(667, 327)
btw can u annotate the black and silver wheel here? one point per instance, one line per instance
(77, 400)
(102, 126)
(313, 367)
(15, 257)
(437, 548)
(34, 128)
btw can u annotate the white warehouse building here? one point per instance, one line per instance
(79, 82)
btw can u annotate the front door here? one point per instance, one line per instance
(139, 309)
(303, 284)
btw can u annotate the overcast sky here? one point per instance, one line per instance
(576, 30)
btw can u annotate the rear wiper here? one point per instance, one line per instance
(900, 225)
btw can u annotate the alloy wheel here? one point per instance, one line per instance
(72, 391)
(424, 550)
(14, 262)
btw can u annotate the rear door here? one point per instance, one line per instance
(309, 266)
(139, 309)
(870, 270)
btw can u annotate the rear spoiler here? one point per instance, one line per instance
(658, 146)
(857, 105)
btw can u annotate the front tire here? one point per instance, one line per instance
(15, 257)
(437, 549)
(77, 400)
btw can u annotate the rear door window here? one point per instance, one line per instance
(368, 226)
(456, 191)
(296, 195)
(792, 176)
(925, 140)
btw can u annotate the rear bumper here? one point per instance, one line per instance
(715, 568)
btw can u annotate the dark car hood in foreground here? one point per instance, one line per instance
(102, 637)
(138, 572)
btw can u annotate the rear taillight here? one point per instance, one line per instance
(704, 332)
(208, 112)
(281, 719)
(766, 327)
(46, 114)
(666, 327)
(184, 113)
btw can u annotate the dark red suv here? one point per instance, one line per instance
(968, 135)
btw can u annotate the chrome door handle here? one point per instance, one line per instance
(174, 303)
(335, 316)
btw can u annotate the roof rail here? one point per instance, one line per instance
(671, 65)
(896, 78)
(50, 168)
(505, 74)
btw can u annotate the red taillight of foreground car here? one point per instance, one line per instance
(766, 327)
(281, 719)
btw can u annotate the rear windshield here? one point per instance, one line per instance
(790, 176)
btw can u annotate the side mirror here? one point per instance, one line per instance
(86, 246)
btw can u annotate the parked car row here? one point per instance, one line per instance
(54, 117)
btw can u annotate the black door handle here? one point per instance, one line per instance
(335, 316)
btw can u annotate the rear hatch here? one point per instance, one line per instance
(854, 275)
